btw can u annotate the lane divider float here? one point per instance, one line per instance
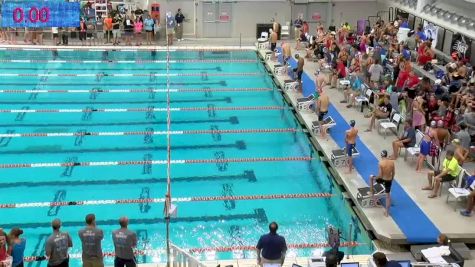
(175, 90)
(161, 200)
(152, 162)
(241, 131)
(230, 74)
(147, 109)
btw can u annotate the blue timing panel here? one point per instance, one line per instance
(40, 14)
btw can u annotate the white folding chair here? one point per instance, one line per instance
(458, 189)
(285, 31)
(393, 124)
(362, 99)
(263, 41)
(415, 150)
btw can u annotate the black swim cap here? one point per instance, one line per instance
(384, 153)
(352, 123)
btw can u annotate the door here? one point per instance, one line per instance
(217, 19)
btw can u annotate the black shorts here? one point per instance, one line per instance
(349, 149)
(387, 184)
(89, 35)
(124, 262)
(149, 30)
(55, 35)
(65, 263)
(321, 114)
(299, 75)
(445, 178)
(272, 46)
(82, 36)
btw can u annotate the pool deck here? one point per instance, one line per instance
(442, 215)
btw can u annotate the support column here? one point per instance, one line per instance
(330, 20)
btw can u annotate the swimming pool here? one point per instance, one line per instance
(100, 118)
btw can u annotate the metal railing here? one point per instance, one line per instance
(181, 258)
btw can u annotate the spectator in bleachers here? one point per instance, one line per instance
(460, 153)
(3, 246)
(407, 139)
(471, 197)
(57, 246)
(425, 53)
(381, 112)
(463, 136)
(450, 171)
(418, 113)
(16, 247)
(441, 139)
(376, 72)
(469, 120)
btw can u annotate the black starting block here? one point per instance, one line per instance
(339, 156)
(328, 122)
(366, 200)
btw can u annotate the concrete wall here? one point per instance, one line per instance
(246, 14)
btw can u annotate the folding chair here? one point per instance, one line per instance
(393, 124)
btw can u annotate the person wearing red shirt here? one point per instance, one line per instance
(401, 79)
(412, 80)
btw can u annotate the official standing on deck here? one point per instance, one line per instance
(271, 247)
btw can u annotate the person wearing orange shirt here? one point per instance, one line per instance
(108, 27)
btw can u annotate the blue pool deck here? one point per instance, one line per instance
(415, 219)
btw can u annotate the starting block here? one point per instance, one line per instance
(366, 200)
(290, 85)
(280, 70)
(268, 55)
(339, 157)
(328, 123)
(343, 83)
(263, 45)
(304, 103)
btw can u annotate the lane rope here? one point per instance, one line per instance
(172, 90)
(228, 74)
(127, 49)
(151, 252)
(161, 200)
(106, 110)
(152, 162)
(242, 131)
(144, 61)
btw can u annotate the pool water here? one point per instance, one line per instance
(198, 224)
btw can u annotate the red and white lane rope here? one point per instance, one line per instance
(161, 200)
(152, 252)
(128, 61)
(127, 49)
(240, 131)
(174, 90)
(294, 246)
(102, 110)
(224, 74)
(153, 162)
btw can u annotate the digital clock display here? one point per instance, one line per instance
(40, 14)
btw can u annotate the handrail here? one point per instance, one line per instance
(181, 258)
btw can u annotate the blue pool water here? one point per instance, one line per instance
(198, 224)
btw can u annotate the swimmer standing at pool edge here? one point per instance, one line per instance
(350, 141)
(385, 177)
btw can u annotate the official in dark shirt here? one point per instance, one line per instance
(179, 18)
(271, 247)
